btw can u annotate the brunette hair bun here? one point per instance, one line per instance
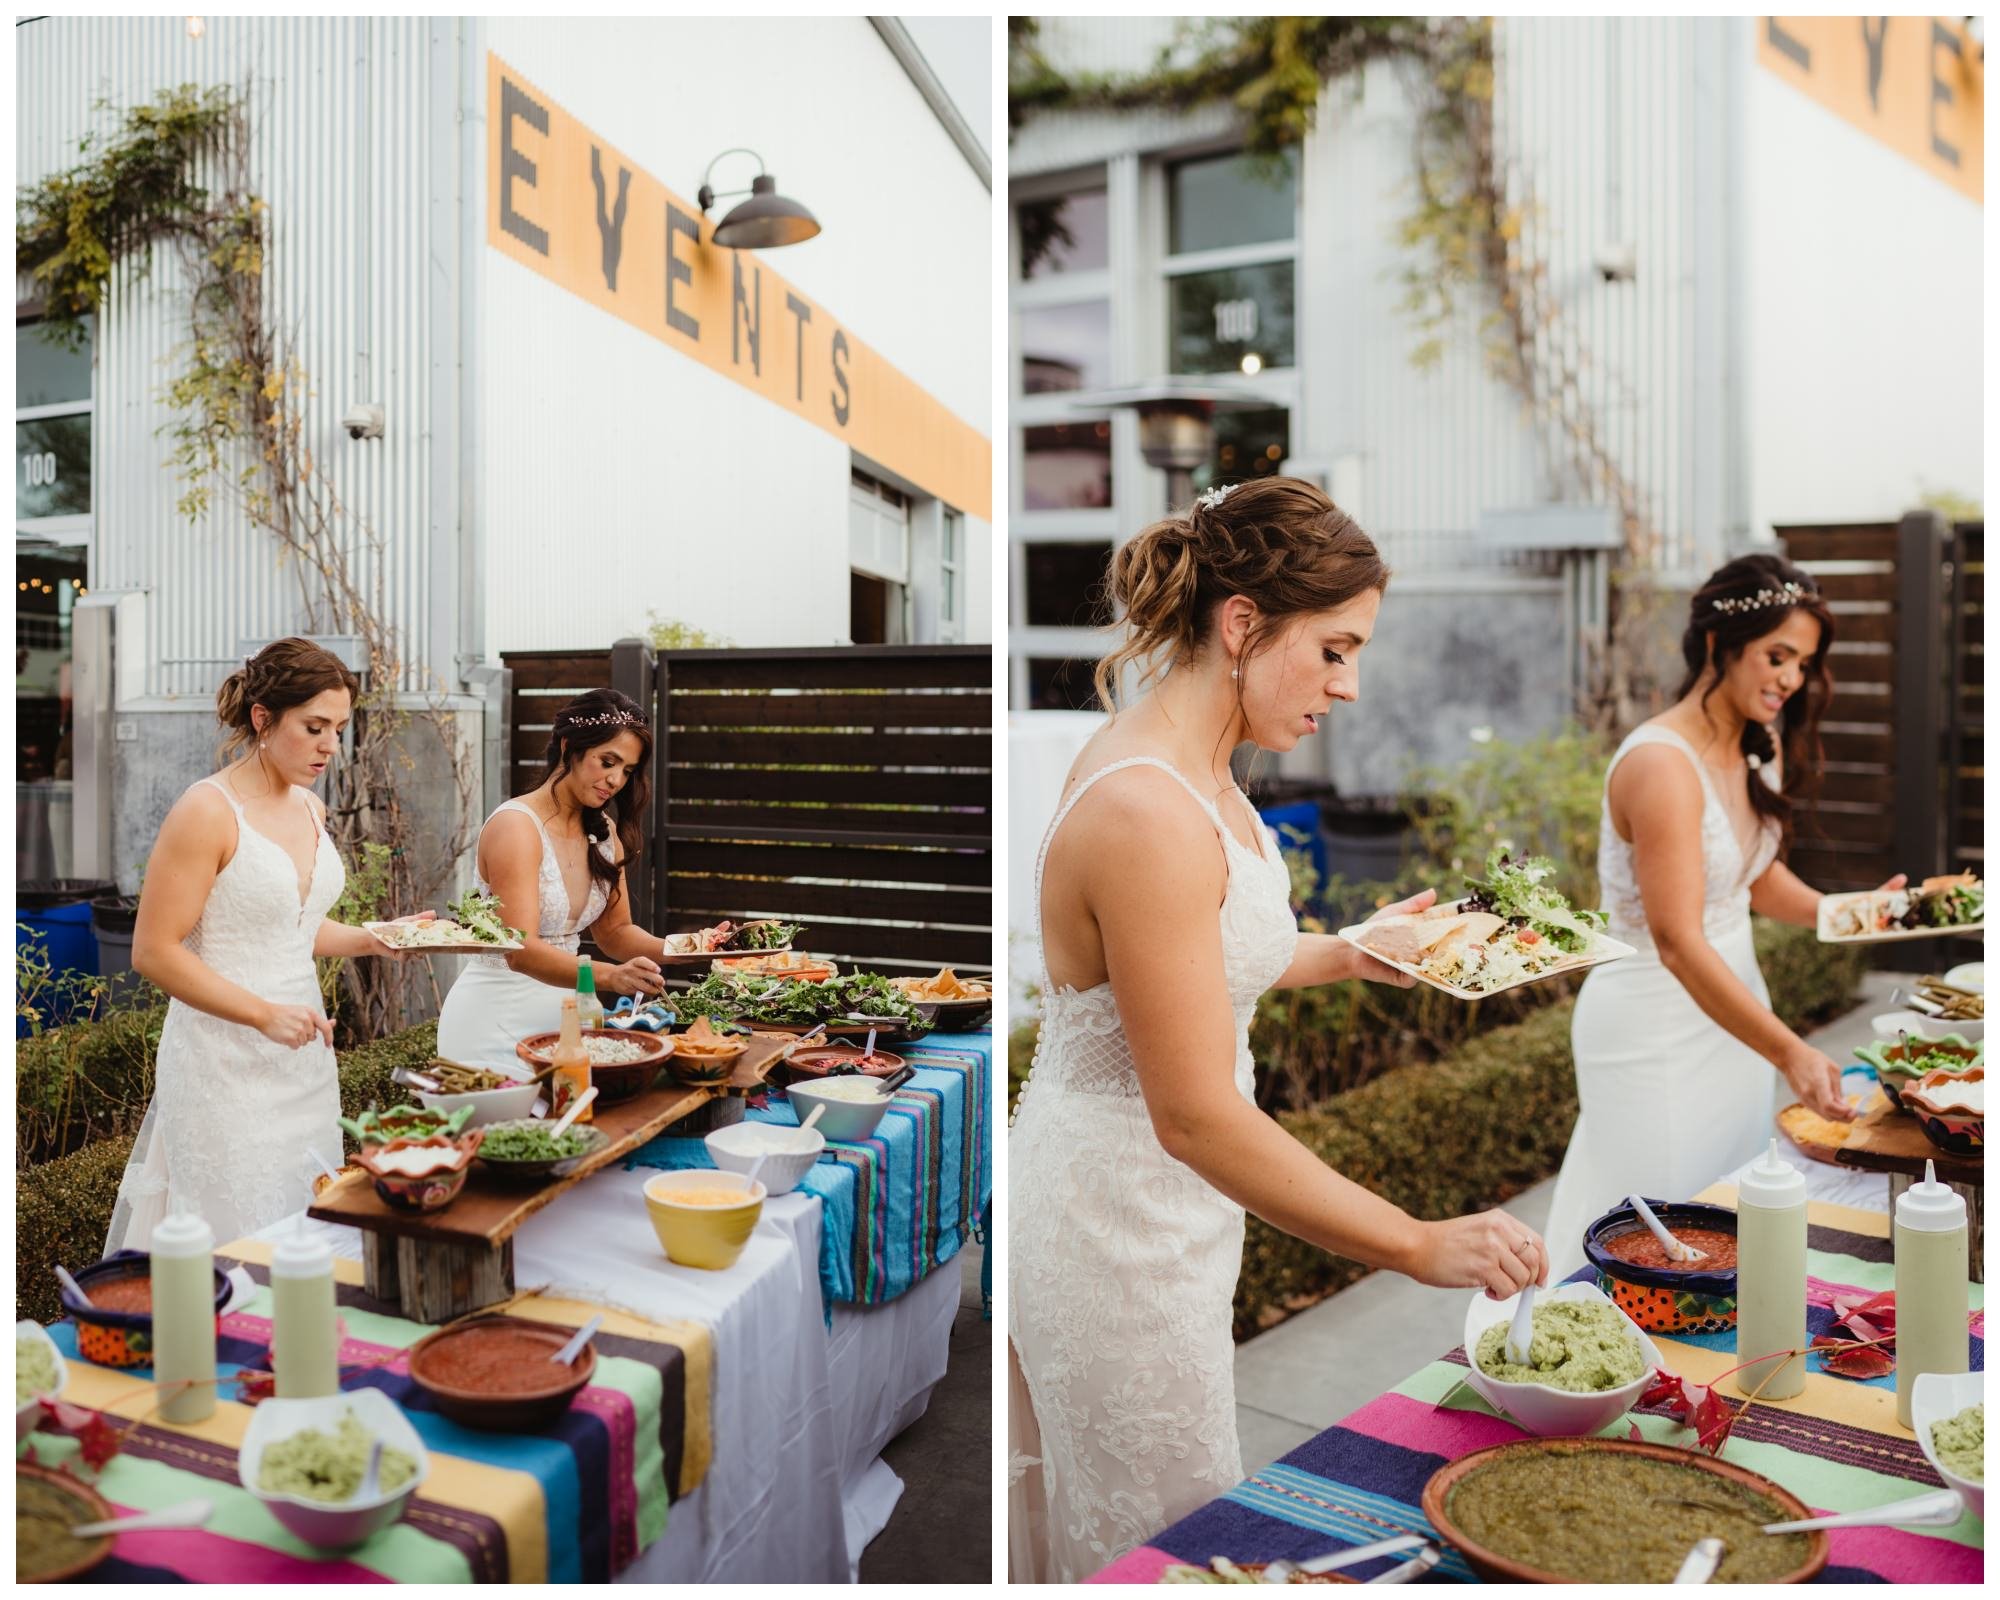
(284, 674)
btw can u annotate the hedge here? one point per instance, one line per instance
(63, 1205)
(83, 1082)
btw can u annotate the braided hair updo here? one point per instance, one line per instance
(1743, 601)
(285, 674)
(1278, 542)
(581, 725)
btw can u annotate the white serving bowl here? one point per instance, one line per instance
(1919, 1026)
(29, 1412)
(489, 1105)
(849, 1120)
(1540, 1408)
(349, 1522)
(1938, 1397)
(729, 1148)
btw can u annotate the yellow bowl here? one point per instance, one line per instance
(700, 1235)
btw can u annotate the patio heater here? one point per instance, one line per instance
(1177, 426)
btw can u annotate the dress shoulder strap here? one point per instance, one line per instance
(1083, 788)
(525, 809)
(1652, 733)
(235, 804)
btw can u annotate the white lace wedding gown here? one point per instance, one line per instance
(491, 1007)
(233, 1113)
(1669, 1101)
(1122, 1262)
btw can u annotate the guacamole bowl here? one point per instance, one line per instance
(1938, 1397)
(1899, 1063)
(1542, 1408)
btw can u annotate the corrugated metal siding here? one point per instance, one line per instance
(1061, 140)
(341, 130)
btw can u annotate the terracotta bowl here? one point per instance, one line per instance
(120, 1338)
(502, 1411)
(704, 1065)
(1496, 1568)
(1960, 1131)
(432, 1191)
(90, 1507)
(1665, 1299)
(1895, 1075)
(612, 1083)
(820, 1061)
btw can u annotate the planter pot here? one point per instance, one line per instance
(1365, 841)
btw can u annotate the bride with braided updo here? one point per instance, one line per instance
(1165, 913)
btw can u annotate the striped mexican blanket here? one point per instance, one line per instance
(574, 1503)
(1836, 1446)
(900, 1204)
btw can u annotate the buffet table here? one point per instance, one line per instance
(736, 1435)
(1362, 1479)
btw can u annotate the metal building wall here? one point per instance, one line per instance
(342, 148)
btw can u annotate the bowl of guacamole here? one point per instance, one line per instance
(304, 1460)
(1587, 1364)
(1948, 1415)
(39, 1374)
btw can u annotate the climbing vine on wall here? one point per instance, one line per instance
(175, 175)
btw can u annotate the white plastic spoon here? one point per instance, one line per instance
(818, 1111)
(1673, 1247)
(371, 1479)
(1701, 1562)
(575, 1110)
(569, 1352)
(1521, 1331)
(1281, 1570)
(188, 1514)
(1938, 1509)
(69, 1283)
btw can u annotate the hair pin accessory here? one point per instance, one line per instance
(1783, 596)
(607, 719)
(1214, 497)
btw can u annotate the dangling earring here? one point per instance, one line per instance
(1236, 673)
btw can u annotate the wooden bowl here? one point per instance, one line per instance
(819, 1061)
(617, 1081)
(502, 1410)
(1493, 1567)
(90, 1507)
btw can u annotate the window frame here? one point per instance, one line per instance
(1278, 385)
(72, 528)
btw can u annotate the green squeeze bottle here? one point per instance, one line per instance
(1771, 1275)
(183, 1271)
(1933, 1300)
(589, 1009)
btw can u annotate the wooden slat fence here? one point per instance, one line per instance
(850, 789)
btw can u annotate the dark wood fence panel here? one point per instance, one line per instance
(1966, 815)
(543, 680)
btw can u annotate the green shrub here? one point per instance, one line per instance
(62, 1211)
(365, 1069)
(83, 1082)
(1810, 982)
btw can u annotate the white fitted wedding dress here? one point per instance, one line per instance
(235, 1116)
(1122, 1261)
(1669, 1101)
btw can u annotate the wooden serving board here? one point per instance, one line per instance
(1887, 1140)
(489, 1210)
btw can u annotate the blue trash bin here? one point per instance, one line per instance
(57, 913)
(1297, 828)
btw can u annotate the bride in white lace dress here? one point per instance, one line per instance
(1697, 803)
(233, 912)
(1138, 1146)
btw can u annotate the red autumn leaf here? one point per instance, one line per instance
(1875, 1313)
(1635, 1435)
(1665, 1389)
(100, 1442)
(1712, 1420)
(1846, 1359)
(253, 1387)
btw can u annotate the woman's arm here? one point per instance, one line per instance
(631, 946)
(1783, 896)
(1153, 870)
(1327, 958)
(1658, 796)
(193, 846)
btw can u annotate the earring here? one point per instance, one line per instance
(1236, 672)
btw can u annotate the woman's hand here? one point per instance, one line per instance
(640, 976)
(295, 1026)
(1896, 882)
(1815, 1078)
(1488, 1250)
(1367, 968)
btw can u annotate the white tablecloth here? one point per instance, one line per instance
(800, 1413)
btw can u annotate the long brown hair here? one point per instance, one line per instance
(1278, 542)
(581, 725)
(284, 674)
(1717, 635)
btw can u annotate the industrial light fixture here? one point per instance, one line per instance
(767, 219)
(197, 26)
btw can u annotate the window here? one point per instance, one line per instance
(951, 574)
(51, 432)
(878, 528)
(1058, 685)
(1066, 466)
(1248, 444)
(1065, 587)
(1066, 347)
(1067, 233)
(1232, 246)
(52, 500)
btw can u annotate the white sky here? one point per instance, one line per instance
(960, 52)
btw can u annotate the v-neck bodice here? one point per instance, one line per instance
(555, 924)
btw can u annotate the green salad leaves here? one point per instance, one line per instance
(479, 915)
(735, 997)
(1520, 891)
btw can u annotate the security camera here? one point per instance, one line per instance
(1617, 263)
(363, 422)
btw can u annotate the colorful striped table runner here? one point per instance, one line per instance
(902, 1203)
(575, 1502)
(1836, 1446)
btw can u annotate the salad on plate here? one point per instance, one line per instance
(1956, 900)
(726, 937)
(475, 921)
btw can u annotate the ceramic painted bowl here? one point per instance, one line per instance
(711, 1237)
(613, 1081)
(108, 1338)
(1957, 1129)
(533, 1397)
(1897, 1066)
(404, 1122)
(1670, 1300)
(419, 1193)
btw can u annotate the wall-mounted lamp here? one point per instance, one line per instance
(197, 26)
(767, 219)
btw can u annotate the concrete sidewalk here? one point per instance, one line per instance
(1310, 1371)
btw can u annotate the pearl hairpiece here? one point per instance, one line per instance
(1764, 597)
(1214, 497)
(613, 719)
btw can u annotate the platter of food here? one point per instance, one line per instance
(793, 964)
(763, 934)
(789, 1006)
(962, 1002)
(1513, 928)
(1937, 907)
(474, 927)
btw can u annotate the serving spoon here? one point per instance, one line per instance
(1939, 1508)
(575, 1110)
(1521, 1331)
(569, 1352)
(1281, 1570)
(188, 1514)
(371, 1479)
(1674, 1247)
